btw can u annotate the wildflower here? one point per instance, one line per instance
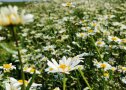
(14, 84)
(123, 40)
(106, 75)
(113, 68)
(123, 80)
(10, 16)
(7, 67)
(68, 4)
(114, 38)
(2, 38)
(122, 69)
(63, 37)
(65, 65)
(105, 66)
(91, 32)
(49, 48)
(106, 33)
(57, 88)
(123, 27)
(94, 23)
(100, 43)
(31, 70)
(116, 23)
(81, 35)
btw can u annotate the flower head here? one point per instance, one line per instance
(105, 66)
(31, 70)
(7, 67)
(14, 84)
(114, 38)
(100, 43)
(10, 16)
(68, 4)
(65, 65)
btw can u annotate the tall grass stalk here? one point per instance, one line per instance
(84, 78)
(19, 56)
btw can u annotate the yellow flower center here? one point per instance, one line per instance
(99, 42)
(113, 68)
(114, 38)
(124, 68)
(103, 65)
(68, 4)
(106, 74)
(94, 24)
(21, 82)
(81, 34)
(90, 31)
(50, 69)
(7, 66)
(12, 17)
(124, 40)
(63, 66)
(32, 70)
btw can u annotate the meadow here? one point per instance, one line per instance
(63, 45)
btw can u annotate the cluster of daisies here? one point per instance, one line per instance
(88, 42)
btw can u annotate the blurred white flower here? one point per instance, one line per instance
(81, 35)
(68, 4)
(106, 75)
(1, 38)
(57, 88)
(49, 48)
(123, 80)
(10, 16)
(103, 65)
(14, 84)
(114, 38)
(100, 43)
(30, 70)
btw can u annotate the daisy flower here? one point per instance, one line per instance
(123, 80)
(100, 43)
(81, 35)
(7, 67)
(57, 88)
(123, 40)
(106, 75)
(10, 16)
(1, 38)
(65, 65)
(30, 70)
(114, 38)
(68, 4)
(14, 84)
(103, 65)
(49, 48)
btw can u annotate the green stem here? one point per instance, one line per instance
(19, 56)
(84, 78)
(79, 85)
(64, 82)
(98, 51)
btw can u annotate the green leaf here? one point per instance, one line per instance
(5, 47)
(31, 81)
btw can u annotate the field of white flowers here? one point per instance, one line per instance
(63, 45)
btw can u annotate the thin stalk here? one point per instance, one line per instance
(84, 78)
(64, 82)
(98, 51)
(79, 86)
(19, 56)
